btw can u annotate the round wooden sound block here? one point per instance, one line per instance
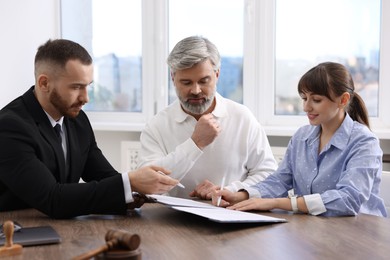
(120, 254)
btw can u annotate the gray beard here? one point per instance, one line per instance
(197, 109)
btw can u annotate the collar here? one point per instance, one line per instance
(220, 109)
(54, 122)
(338, 139)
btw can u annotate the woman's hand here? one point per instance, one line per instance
(255, 204)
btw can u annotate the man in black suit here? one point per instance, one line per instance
(41, 167)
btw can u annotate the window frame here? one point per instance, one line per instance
(260, 71)
(258, 74)
(153, 17)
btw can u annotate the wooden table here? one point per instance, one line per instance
(169, 234)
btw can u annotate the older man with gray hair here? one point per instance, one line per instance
(204, 139)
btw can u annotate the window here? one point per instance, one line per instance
(112, 33)
(265, 59)
(265, 46)
(117, 51)
(309, 32)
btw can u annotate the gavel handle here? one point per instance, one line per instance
(95, 252)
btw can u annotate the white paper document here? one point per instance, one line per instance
(213, 213)
(173, 201)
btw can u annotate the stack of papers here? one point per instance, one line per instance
(212, 212)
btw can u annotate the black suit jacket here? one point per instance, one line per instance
(32, 173)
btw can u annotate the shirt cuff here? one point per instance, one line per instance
(314, 204)
(236, 186)
(253, 192)
(127, 188)
(192, 151)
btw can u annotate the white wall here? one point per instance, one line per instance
(26, 24)
(110, 144)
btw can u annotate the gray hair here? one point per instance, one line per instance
(191, 51)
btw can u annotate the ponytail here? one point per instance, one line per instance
(357, 109)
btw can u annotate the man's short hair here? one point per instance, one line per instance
(191, 51)
(58, 52)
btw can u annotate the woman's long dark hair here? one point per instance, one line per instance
(329, 78)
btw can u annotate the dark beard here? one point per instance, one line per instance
(62, 106)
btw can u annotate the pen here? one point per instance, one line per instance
(179, 184)
(222, 184)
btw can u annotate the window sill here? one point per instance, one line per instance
(120, 127)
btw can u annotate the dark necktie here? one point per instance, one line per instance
(57, 129)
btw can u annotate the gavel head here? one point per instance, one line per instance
(123, 239)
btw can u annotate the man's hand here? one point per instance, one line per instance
(204, 190)
(147, 180)
(206, 130)
(139, 200)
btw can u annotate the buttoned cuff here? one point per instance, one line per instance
(236, 186)
(314, 204)
(253, 192)
(192, 150)
(127, 188)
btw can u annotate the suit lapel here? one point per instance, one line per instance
(46, 130)
(49, 134)
(73, 151)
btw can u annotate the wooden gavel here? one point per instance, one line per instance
(9, 247)
(114, 239)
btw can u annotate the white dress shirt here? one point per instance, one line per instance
(241, 151)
